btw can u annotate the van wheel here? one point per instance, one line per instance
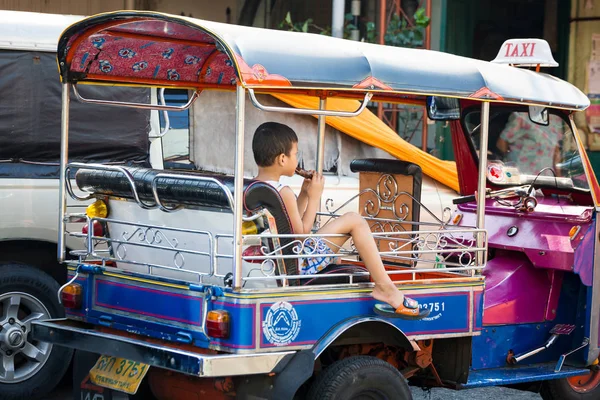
(29, 369)
(585, 387)
(360, 377)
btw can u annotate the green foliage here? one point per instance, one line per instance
(399, 32)
(288, 25)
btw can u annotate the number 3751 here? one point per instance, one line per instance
(437, 306)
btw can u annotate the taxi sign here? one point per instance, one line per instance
(526, 53)
(118, 373)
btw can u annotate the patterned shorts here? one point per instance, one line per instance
(312, 265)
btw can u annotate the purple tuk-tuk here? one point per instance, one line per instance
(189, 284)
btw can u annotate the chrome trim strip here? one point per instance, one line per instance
(485, 119)
(594, 348)
(144, 106)
(335, 332)
(238, 210)
(74, 335)
(306, 111)
(63, 177)
(321, 137)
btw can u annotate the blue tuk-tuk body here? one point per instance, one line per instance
(197, 273)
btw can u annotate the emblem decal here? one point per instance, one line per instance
(281, 325)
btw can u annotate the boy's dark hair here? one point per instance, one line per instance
(270, 140)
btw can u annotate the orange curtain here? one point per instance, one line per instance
(371, 130)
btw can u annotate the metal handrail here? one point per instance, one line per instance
(102, 167)
(224, 188)
(307, 111)
(143, 106)
(161, 98)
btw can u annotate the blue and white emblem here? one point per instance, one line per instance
(281, 325)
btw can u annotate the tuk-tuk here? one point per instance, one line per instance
(197, 289)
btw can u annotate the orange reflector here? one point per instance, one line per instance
(249, 228)
(574, 231)
(98, 209)
(72, 295)
(456, 219)
(217, 324)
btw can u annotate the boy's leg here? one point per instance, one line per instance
(385, 290)
(356, 226)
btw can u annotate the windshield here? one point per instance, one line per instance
(521, 151)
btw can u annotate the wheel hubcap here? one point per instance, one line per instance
(14, 338)
(21, 357)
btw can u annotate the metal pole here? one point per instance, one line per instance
(337, 18)
(238, 186)
(382, 8)
(321, 137)
(425, 129)
(129, 4)
(483, 147)
(355, 10)
(428, 29)
(64, 159)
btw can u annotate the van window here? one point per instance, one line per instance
(176, 142)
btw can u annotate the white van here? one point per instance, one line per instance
(29, 165)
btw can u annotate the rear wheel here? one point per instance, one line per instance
(585, 387)
(29, 369)
(360, 378)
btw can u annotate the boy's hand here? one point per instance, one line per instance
(305, 185)
(316, 186)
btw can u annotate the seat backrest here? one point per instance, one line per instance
(384, 180)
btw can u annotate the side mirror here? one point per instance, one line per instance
(538, 115)
(443, 108)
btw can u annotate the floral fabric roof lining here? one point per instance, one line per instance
(108, 53)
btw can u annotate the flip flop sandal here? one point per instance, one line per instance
(408, 310)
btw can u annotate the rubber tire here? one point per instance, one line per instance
(345, 379)
(23, 278)
(559, 389)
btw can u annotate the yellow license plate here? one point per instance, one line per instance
(118, 373)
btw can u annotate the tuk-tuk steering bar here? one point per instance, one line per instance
(526, 202)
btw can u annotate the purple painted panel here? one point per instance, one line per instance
(556, 280)
(515, 292)
(543, 235)
(584, 256)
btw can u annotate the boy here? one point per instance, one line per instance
(275, 148)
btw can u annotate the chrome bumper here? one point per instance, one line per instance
(80, 336)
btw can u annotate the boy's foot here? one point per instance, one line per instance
(409, 309)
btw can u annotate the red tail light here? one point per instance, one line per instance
(217, 324)
(71, 296)
(253, 251)
(98, 229)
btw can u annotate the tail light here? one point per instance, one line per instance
(217, 324)
(253, 251)
(71, 296)
(97, 231)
